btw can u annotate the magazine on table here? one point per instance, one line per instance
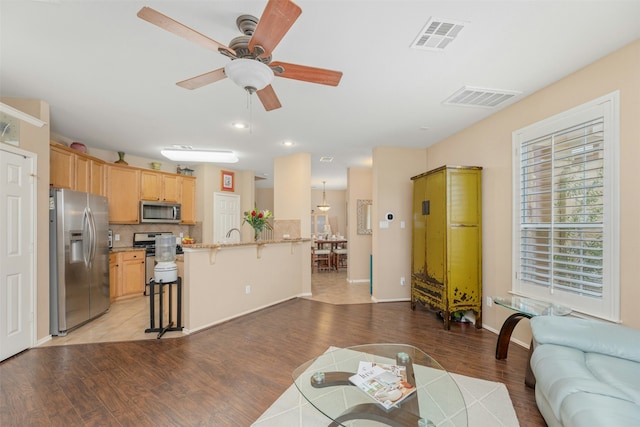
(386, 384)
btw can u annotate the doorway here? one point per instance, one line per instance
(226, 216)
(18, 252)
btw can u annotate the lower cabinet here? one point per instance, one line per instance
(127, 270)
(115, 278)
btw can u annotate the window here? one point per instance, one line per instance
(565, 247)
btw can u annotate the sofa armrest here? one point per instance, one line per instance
(590, 336)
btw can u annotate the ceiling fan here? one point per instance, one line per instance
(251, 66)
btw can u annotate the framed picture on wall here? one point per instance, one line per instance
(227, 181)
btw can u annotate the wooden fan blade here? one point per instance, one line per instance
(203, 79)
(308, 74)
(277, 18)
(268, 98)
(175, 27)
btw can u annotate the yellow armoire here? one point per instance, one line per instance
(446, 267)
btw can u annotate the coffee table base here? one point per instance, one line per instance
(373, 412)
(395, 417)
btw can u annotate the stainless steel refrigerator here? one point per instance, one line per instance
(79, 258)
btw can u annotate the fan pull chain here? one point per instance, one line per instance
(250, 115)
(250, 108)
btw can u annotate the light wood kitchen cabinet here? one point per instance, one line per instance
(126, 273)
(75, 170)
(188, 199)
(170, 190)
(115, 277)
(157, 186)
(89, 175)
(446, 264)
(97, 185)
(133, 270)
(123, 192)
(62, 165)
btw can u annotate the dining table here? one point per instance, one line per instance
(333, 242)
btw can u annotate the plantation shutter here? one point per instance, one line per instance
(562, 209)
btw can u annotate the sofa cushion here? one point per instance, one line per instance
(587, 409)
(624, 375)
(562, 371)
(590, 336)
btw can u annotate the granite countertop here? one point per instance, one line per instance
(260, 242)
(125, 249)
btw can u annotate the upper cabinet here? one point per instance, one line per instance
(188, 199)
(158, 186)
(123, 189)
(62, 168)
(75, 170)
(125, 186)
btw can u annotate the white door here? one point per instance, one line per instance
(226, 216)
(17, 252)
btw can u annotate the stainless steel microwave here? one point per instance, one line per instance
(159, 212)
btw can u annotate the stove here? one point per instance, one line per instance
(147, 241)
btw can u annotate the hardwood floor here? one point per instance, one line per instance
(229, 374)
(127, 319)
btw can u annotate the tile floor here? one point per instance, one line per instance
(126, 320)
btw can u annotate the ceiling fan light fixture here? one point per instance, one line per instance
(249, 74)
(199, 156)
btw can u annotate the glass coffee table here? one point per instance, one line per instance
(324, 383)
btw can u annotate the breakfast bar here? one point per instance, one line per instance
(226, 280)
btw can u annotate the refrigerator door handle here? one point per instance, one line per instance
(86, 238)
(93, 241)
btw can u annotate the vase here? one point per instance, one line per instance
(121, 158)
(256, 234)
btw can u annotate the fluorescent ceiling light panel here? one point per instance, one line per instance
(199, 156)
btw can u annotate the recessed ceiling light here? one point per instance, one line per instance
(288, 143)
(239, 125)
(424, 127)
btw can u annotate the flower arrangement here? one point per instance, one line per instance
(258, 220)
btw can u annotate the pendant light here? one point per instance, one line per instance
(324, 207)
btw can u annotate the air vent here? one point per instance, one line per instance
(479, 97)
(326, 159)
(437, 34)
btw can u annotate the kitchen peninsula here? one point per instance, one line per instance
(227, 280)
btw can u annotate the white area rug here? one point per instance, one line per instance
(488, 405)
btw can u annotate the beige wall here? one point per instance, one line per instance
(264, 198)
(359, 187)
(393, 192)
(488, 144)
(291, 195)
(36, 140)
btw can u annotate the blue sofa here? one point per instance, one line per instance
(587, 372)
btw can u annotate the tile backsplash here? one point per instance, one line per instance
(125, 232)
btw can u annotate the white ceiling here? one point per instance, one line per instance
(109, 76)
